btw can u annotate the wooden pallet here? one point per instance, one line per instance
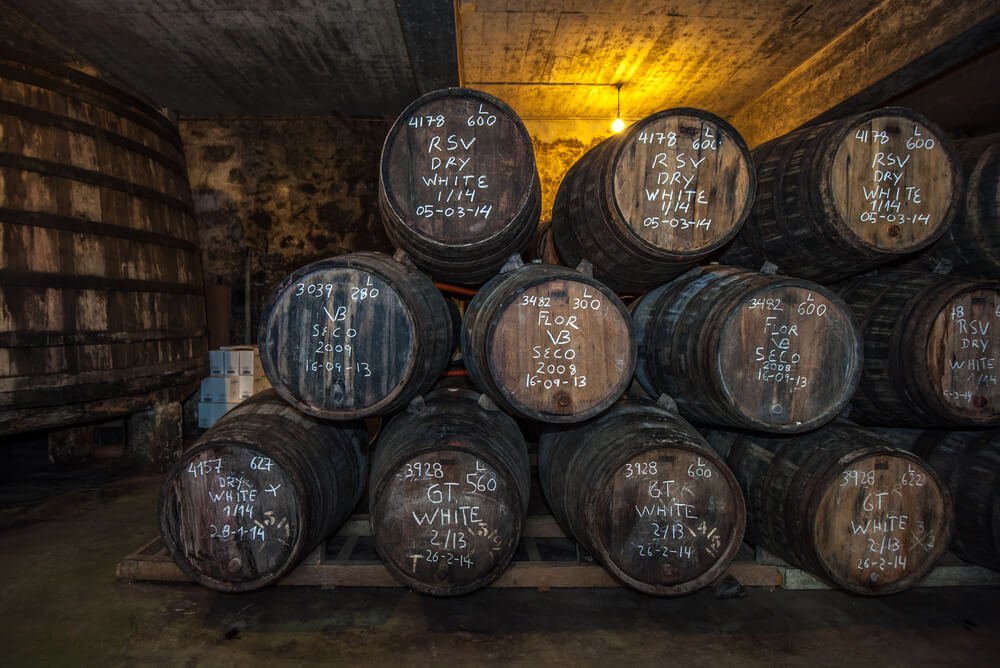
(950, 572)
(545, 559)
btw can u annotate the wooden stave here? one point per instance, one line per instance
(969, 463)
(586, 224)
(572, 467)
(895, 311)
(798, 230)
(469, 262)
(543, 248)
(969, 246)
(38, 71)
(327, 464)
(667, 314)
(431, 349)
(765, 226)
(447, 415)
(581, 231)
(481, 316)
(783, 478)
(144, 212)
(458, 264)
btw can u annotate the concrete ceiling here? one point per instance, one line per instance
(549, 59)
(262, 57)
(562, 58)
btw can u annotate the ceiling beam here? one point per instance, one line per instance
(896, 46)
(429, 30)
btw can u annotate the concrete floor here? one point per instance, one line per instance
(60, 604)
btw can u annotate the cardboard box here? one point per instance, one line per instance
(216, 362)
(220, 389)
(242, 360)
(210, 412)
(250, 385)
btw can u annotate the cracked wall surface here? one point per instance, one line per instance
(284, 192)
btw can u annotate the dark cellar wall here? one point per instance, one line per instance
(286, 192)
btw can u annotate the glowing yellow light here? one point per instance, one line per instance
(618, 124)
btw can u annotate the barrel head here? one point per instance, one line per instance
(788, 357)
(960, 359)
(231, 518)
(338, 340)
(881, 522)
(682, 181)
(892, 182)
(670, 519)
(457, 167)
(560, 349)
(446, 522)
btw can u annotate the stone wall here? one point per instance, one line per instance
(283, 193)
(288, 191)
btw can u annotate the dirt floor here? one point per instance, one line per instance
(60, 604)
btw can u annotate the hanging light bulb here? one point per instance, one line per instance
(618, 124)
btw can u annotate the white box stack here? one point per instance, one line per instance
(236, 374)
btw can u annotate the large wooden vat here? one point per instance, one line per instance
(101, 299)
(641, 490)
(259, 491)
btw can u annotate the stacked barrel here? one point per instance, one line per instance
(752, 380)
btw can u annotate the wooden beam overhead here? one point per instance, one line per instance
(429, 29)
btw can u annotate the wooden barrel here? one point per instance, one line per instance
(748, 350)
(548, 343)
(645, 205)
(641, 490)
(971, 245)
(543, 248)
(836, 199)
(929, 358)
(458, 187)
(102, 309)
(355, 335)
(449, 492)
(259, 491)
(969, 464)
(842, 504)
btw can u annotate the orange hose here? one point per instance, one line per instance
(455, 290)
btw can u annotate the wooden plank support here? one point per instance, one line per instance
(536, 526)
(893, 48)
(152, 563)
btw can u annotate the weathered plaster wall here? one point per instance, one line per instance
(285, 192)
(557, 145)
